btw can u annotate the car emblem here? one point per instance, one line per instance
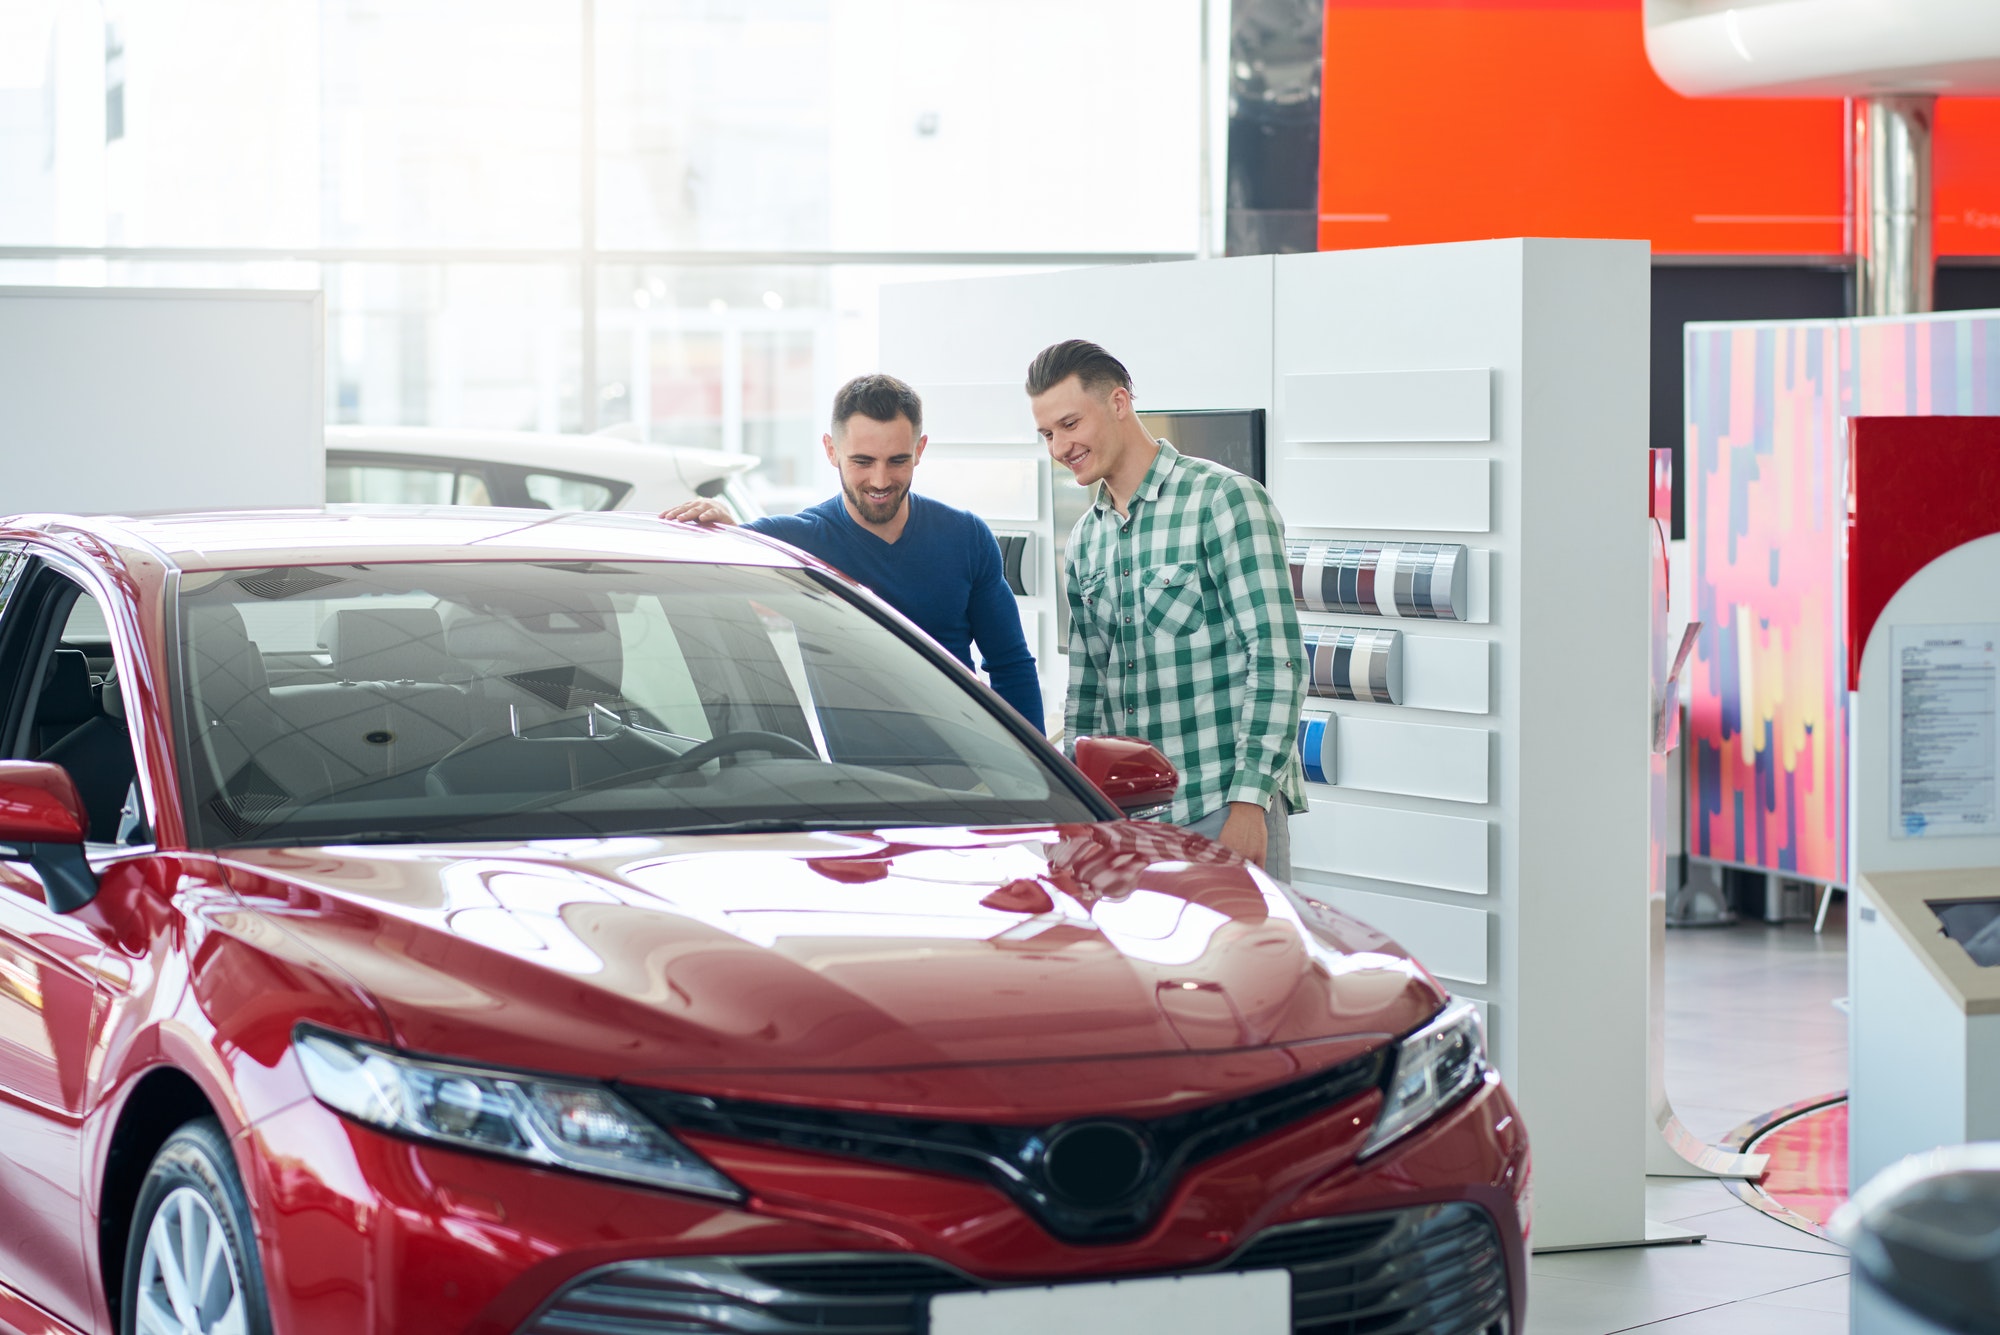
(1096, 1164)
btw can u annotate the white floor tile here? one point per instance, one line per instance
(1826, 1295)
(1736, 1222)
(1725, 1271)
(1558, 1306)
(1750, 1319)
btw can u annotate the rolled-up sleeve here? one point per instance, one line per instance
(1246, 540)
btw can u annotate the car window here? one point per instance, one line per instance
(568, 493)
(76, 715)
(508, 700)
(401, 484)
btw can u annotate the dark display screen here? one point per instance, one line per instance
(1974, 924)
(1232, 438)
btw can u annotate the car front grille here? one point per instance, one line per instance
(1018, 1159)
(1439, 1270)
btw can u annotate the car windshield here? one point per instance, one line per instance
(532, 700)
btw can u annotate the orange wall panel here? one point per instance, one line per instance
(1446, 120)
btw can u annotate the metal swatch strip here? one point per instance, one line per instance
(1316, 748)
(1351, 663)
(1425, 580)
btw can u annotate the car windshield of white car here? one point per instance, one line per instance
(503, 700)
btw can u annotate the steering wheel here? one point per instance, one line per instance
(749, 739)
(728, 744)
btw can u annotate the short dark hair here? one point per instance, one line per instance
(1094, 368)
(880, 398)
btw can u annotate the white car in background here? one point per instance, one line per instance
(528, 469)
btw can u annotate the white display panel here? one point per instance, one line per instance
(1384, 406)
(134, 400)
(1388, 844)
(1390, 755)
(1445, 495)
(1448, 673)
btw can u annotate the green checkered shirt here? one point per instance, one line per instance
(1183, 632)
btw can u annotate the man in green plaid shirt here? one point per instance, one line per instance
(1182, 627)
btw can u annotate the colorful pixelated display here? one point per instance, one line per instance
(1766, 509)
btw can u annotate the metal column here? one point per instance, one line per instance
(1892, 216)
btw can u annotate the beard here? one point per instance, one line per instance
(875, 512)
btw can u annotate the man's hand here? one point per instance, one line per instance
(698, 512)
(1244, 832)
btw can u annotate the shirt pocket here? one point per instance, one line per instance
(1172, 600)
(1093, 611)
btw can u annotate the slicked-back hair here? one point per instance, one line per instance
(880, 398)
(1096, 370)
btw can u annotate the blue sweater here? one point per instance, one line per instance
(943, 573)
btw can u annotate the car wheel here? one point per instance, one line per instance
(191, 1264)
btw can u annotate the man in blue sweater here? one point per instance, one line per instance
(937, 565)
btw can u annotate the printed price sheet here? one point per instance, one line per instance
(1942, 757)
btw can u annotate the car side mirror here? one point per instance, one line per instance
(43, 820)
(1132, 773)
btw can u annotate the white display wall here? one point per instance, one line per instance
(119, 401)
(1487, 394)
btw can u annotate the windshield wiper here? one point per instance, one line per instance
(779, 825)
(348, 837)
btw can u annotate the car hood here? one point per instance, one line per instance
(1030, 970)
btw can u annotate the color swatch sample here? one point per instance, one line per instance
(1766, 511)
(1391, 579)
(1316, 748)
(1351, 664)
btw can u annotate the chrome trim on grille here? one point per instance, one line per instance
(1435, 1270)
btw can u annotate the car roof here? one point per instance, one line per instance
(245, 539)
(603, 455)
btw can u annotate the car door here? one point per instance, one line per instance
(51, 1004)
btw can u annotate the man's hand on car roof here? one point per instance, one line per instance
(698, 512)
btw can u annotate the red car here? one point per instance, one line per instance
(471, 920)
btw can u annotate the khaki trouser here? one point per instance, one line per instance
(1277, 831)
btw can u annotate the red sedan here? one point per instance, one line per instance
(562, 924)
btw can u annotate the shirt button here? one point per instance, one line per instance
(1128, 621)
(1128, 571)
(1130, 710)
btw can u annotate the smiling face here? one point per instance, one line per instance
(877, 461)
(1084, 431)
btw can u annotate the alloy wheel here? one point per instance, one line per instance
(190, 1279)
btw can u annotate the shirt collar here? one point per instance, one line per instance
(1149, 485)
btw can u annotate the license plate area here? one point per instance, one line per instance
(1253, 1302)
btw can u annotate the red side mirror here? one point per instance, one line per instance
(39, 805)
(1130, 772)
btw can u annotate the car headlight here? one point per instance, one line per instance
(583, 1127)
(1434, 1068)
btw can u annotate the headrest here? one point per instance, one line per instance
(505, 642)
(111, 699)
(66, 696)
(227, 666)
(388, 644)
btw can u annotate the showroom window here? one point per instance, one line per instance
(669, 216)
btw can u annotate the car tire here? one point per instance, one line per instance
(191, 1263)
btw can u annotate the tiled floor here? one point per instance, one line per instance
(1751, 1027)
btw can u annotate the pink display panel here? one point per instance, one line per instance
(1767, 408)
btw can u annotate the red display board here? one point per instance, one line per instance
(1917, 487)
(1451, 120)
